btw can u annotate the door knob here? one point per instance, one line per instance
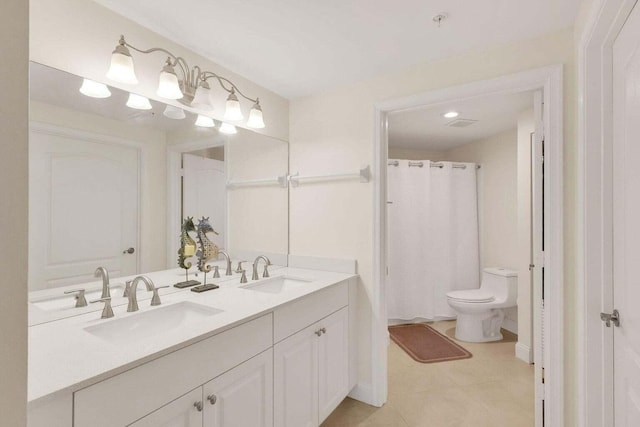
(129, 251)
(609, 318)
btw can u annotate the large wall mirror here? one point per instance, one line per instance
(109, 184)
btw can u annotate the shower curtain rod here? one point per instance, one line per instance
(433, 165)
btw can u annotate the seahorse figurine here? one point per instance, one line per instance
(187, 244)
(208, 250)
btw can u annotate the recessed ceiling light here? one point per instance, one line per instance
(451, 114)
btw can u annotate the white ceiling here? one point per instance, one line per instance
(300, 47)
(426, 128)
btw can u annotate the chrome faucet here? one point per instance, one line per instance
(229, 271)
(102, 272)
(133, 297)
(255, 276)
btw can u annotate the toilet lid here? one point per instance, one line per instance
(471, 295)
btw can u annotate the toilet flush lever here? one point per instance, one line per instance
(611, 318)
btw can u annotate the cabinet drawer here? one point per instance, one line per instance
(131, 395)
(293, 317)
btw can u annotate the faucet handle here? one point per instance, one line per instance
(243, 279)
(81, 301)
(265, 273)
(107, 311)
(239, 269)
(216, 272)
(127, 287)
(155, 299)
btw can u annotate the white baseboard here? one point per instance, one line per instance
(524, 352)
(363, 393)
(510, 325)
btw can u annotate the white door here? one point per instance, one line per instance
(83, 207)
(204, 193)
(185, 411)
(626, 222)
(333, 363)
(243, 396)
(295, 388)
(537, 255)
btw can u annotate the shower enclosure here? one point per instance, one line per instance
(432, 237)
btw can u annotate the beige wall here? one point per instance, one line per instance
(153, 146)
(413, 154)
(334, 131)
(78, 36)
(497, 202)
(14, 86)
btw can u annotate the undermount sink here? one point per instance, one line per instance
(63, 301)
(147, 324)
(277, 284)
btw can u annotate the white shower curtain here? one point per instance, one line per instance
(432, 237)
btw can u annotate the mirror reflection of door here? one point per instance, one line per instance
(83, 213)
(204, 190)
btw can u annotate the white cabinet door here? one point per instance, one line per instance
(333, 364)
(295, 390)
(243, 396)
(186, 411)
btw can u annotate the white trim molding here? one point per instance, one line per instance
(549, 79)
(524, 352)
(595, 132)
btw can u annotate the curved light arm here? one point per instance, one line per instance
(222, 80)
(177, 60)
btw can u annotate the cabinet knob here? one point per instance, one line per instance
(198, 406)
(318, 332)
(212, 399)
(323, 330)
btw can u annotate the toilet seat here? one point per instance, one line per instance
(471, 296)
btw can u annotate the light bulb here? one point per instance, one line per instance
(168, 86)
(138, 102)
(121, 69)
(202, 98)
(255, 117)
(229, 129)
(174, 112)
(94, 89)
(204, 121)
(451, 114)
(232, 111)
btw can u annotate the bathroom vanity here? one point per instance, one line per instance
(273, 352)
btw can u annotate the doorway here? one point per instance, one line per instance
(548, 80)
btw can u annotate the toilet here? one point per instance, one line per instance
(480, 311)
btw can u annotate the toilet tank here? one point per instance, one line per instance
(501, 282)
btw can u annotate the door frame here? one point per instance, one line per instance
(174, 192)
(603, 22)
(550, 80)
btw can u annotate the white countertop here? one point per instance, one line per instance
(64, 357)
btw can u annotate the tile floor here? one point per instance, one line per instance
(492, 389)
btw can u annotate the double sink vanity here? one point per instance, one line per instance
(270, 352)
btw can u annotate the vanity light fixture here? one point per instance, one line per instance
(228, 129)
(94, 89)
(204, 121)
(451, 115)
(175, 113)
(188, 84)
(138, 102)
